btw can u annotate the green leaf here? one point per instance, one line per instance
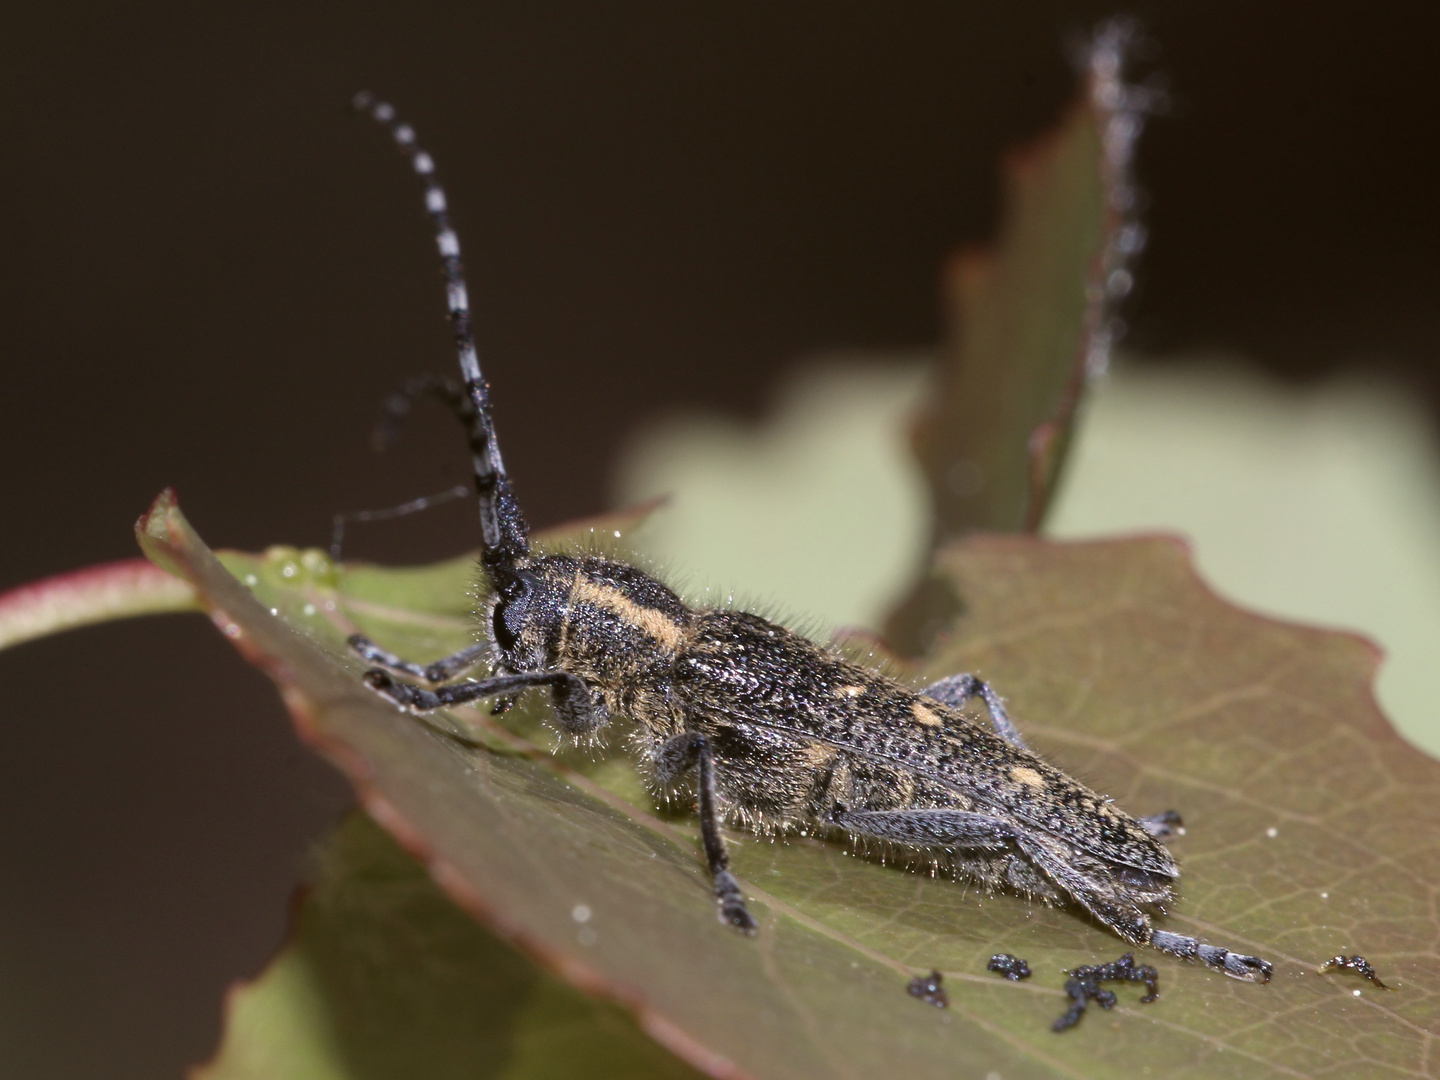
(1313, 827)
(819, 507)
(384, 977)
(1201, 446)
(1117, 662)
(118, 590)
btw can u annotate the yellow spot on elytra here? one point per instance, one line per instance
(818, 755)
(924, 714)
(1023, 774)
(655, 624)
(849, 691)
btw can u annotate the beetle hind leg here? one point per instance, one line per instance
(958, 690)
(928, 828)
(1163, 826)
(1236, 965)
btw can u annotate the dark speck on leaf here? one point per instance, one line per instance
(928, 988)
(1012, 967)
(1357, 964)
(1083, 986)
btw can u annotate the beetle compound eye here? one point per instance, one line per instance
(501, 621)
(512, 610)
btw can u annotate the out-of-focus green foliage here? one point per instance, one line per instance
(384, 977)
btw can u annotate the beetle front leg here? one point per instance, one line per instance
(577, 710)
(440, 671)
(675, 758)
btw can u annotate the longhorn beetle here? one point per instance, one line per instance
(776, 732)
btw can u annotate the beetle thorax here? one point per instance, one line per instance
(606, 622)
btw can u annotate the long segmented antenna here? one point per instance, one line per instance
(504, 533)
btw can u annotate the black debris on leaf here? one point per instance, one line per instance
(1357, 964)
(1012, 967)
(928, 988)
(1083, 986)
(1164, 826)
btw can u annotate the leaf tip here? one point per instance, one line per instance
(154, 521)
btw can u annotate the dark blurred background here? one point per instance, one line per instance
(212, 275)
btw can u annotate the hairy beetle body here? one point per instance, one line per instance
(805, 739)
(773, 731)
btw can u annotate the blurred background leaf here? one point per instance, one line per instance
(383, 977)
(1027, 319)
(1317, 504)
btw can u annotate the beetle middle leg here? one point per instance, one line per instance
(928, 828)
(675, 758)
(958, 691)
